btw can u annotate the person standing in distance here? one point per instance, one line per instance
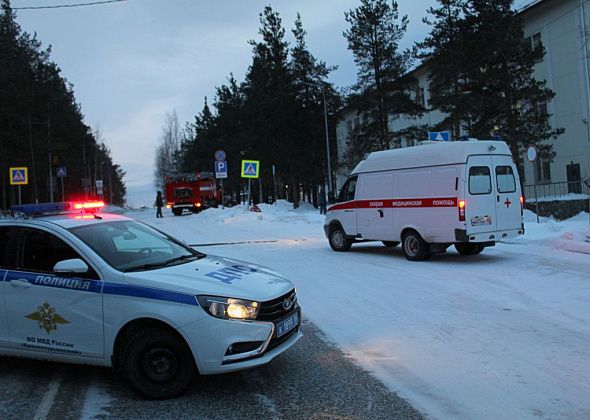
(159, 204)
(322, 201)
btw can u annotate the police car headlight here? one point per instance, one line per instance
(227, 308)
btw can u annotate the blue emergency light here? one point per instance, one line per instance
(52, 208)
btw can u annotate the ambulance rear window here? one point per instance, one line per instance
(479, 180)
(505, 179)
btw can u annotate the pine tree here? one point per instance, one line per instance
(383, 86)
(444, 51)
(270, 103)
(505, 99)
(39, 117)
(309, 80)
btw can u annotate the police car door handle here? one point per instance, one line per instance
(20, 283)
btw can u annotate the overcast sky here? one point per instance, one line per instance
(132, 62)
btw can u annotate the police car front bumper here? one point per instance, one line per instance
(210, 338)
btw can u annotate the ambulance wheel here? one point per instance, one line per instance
(390, 244)
(414, 247)
(338, 240)
(468, 249)
(158, 364)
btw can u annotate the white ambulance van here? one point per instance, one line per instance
(429, 197)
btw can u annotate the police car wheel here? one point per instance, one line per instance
(158, 364)
(390, 244)
(414, 247)
(339, 241)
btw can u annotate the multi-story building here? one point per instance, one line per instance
(562, 27)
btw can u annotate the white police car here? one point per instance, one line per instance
(103, 289)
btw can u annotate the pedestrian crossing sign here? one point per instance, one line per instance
(19, 176)
(250, 168)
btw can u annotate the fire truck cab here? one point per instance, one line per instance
(193, 191)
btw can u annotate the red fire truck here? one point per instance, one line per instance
(192, 191)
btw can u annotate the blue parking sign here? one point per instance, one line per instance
(220, 169)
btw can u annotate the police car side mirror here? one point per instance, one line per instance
(75, 265)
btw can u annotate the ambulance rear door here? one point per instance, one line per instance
(480, 197)
(507, 193)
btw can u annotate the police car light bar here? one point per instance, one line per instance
(53, 208)
(88, 205)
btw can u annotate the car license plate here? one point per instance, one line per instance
(481, 221)
(287, 325)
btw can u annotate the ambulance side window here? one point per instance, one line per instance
(348, 190)
(479, 180)
(42, 250)
(505, 179)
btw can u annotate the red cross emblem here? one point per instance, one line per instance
(507, 202)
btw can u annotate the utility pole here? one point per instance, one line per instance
(35, 197)
(49, 153)
(327, 141)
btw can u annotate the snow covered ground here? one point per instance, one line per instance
(501, 335)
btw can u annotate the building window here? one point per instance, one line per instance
(543, 170)
(536, 41)
(419, 96)
(542, 109)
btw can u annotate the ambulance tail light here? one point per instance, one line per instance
(521, 205)
(461, 210)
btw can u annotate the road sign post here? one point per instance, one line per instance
(19, 176)
(220, 169)
(250, 169)
(220, 155)
(274, 185)
(531, 154)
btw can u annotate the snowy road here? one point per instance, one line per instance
(311, 380)
(501, 335)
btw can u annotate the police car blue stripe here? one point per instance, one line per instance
(96, 286)
(148, 293)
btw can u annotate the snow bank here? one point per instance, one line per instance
(570, 235)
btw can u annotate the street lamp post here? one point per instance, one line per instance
(322, 85)
(327, 142)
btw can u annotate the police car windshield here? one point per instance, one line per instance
(131, 246)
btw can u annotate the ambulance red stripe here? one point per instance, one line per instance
(398, 203)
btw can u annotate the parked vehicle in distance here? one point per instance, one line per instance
(429, 197)
(192, 191)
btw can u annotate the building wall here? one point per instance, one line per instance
(564, 67)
